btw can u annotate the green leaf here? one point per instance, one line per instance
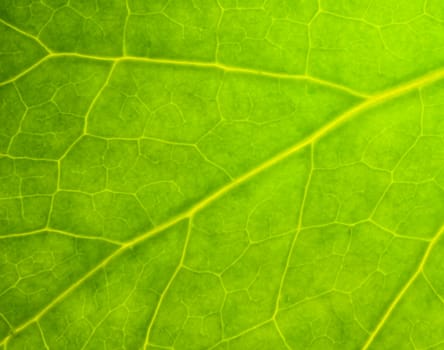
(221, 174)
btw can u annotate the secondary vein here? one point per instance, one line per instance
(185, 63)
(403, 290)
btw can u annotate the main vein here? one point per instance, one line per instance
(326, 129)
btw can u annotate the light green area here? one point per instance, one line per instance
(221, 174)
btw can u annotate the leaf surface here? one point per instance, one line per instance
(221, 174)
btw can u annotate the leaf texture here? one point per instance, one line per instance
(221, 174)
